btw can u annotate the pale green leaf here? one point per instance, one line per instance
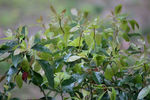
(73, 58)
(75, 42)
(100, 97)
(19, 80)
(74, 29)
(108, 73)
(144, 92)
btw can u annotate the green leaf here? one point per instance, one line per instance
(16, 59)
(18, 51)
(148, 38)
(134, 35)
(125, 36)
(60, 76)
(41, 48)
(99, 59)
(144, 92)
(98, 39)
(8, 46)
(108, 73)
(37, 66)
(100, 97)
(75, 42)
(73, 58)
(69, 84)
(74, 29)
(48, 72)
(133, 23)
(113, 94)
(25, 64)
(89, 40)
(37, 79)
(19, 80)
(118, 9)
(138, 78)
(85, 93)
(97, 77)
(125, 27)
(11, 72)
(24, 31)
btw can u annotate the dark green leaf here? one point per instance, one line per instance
(97, 77)
(118, 9)
(37, 79)
(16, 59)
(25, 64)
(125, 36)
(48, 69)
(8, 46)
(133, 23)
(134, 34)
(48, 98)
(41, 48)
(148, 38)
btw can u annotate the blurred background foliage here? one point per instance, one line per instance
(14, 13)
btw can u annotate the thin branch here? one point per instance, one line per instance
(60, 25)
(80, 40)
(91, 89)
(43, 92)
(94, 30)
(62, 97)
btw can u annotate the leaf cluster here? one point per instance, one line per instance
(100, 59)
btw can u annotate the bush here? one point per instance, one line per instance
(102, 59)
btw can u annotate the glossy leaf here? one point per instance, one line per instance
(49, 73)
(41, 48)
(16, 59)
(144, 92)
(37, 79)
(97, 77)
(73, 58)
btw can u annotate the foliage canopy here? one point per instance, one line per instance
(100, 59)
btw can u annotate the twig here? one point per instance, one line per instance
(91, 89)
(43, 92)
(60, 25)
(80, 40)
(62, 97)
(94, 30)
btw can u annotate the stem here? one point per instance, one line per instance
(62, 97)
(94, 38)
(80, 40)
(43, 92)
(91, 91)
(60, 25)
